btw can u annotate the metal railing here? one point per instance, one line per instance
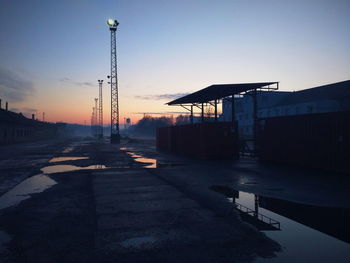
(261, 217)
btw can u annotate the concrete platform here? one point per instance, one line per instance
(140, 212)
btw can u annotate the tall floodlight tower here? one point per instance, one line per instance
(115, 136)
(100, 109)
(96, 117)
(92, 121)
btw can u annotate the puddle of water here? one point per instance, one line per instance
(134, 155)
(38, 183)
(138, 242)
(68, 168)
(63, 159)
(140, 159)
(23, 190)
(152, 162)
(308, 233)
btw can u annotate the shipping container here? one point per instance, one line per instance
(210, 141)
(320, 141)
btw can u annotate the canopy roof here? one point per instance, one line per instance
(219, 91)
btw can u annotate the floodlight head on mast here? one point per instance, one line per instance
(112, 23)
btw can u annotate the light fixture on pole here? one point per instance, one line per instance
(115, 135)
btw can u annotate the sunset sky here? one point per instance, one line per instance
(53, 52)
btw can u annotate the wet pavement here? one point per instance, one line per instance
(4, 240)
(319, 229)
(23, 191)
(131, 204)
(308, 233)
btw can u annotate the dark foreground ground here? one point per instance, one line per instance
(129, 213)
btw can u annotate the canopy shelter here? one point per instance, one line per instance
(213, 94)
(219, 91)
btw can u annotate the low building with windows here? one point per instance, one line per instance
(327, 98)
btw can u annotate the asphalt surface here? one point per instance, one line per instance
(129, 213)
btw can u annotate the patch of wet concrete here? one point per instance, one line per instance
(54, 226)
(4, 239)
(139, 242)
(138, 213)
(249, 183)
(22, 191)
(68, 149)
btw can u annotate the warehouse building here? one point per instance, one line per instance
(327, 98)
(16, 128)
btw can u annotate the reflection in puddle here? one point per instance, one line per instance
(63, 159)
(22, 191)
(308, 233)
(152, 162)
(134, 155)
(67, 168)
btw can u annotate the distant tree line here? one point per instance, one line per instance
(148, 125)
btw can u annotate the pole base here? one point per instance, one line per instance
(115, 138)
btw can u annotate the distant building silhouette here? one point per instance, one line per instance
(16, 128)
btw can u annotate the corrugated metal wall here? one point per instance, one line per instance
(320, 141)
(210, 141)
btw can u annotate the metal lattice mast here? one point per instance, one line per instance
(100, 109)
(96, 117)
(92, 121)
(115, 136)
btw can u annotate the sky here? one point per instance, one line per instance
(53, 52)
